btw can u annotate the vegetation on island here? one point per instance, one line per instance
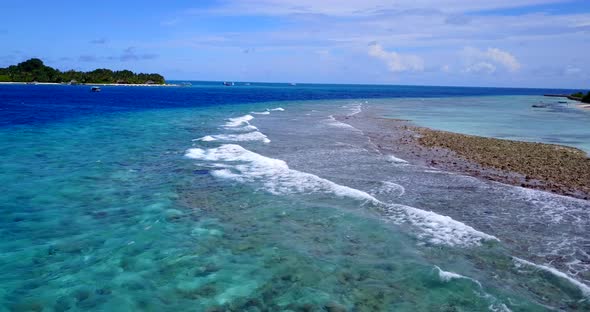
(580, 96)
(34, 70)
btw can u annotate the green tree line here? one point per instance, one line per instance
(582, 97)
(34, 70)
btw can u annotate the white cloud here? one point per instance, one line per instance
(364, 8)
(396, 62)
(503, 58)
(488, 60)
(572, 70)
(481, 67)
(312, 28)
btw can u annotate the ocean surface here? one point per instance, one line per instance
(557, 121)
(254, 198)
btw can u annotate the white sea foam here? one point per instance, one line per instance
(261, 113)
(585, 289)
(438, 171)
(438, 229)
(250, 136)
(238, 121)
(278, 109)
(240, 124)
(557, 208)
(495, 305)
(447, 276)
(226, 174)
(276, 177)
(246, 128)
(356, 109)
(390, 188)
(206, 138)
(220, 165)
(393, 159)
(335, 123)
(275, 174)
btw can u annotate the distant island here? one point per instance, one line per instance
(34, 70)
(581, 97)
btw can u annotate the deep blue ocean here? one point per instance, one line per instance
(33, 104)
(255, 198)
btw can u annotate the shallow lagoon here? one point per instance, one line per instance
(107, 213)
(503, 117)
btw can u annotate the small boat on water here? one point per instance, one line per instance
(539, 105)
(562, 102)
(228, 83)
(95, 89)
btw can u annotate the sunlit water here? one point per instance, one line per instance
(254, 208)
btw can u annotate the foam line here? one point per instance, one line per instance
(261, 113)
(356, 109)
(247, 128)
(335, 123)
(447, 276)
(495, 305)
(438, 229)
(585, 289)
(393, 159)
(238, 121)
(276, 177)
(250, 136)
(390, 188)
(206, 138)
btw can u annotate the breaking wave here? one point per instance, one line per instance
(238, 121)
(275, 176)
(390, 188)
(335, 123)
(395, 160)
(584, 289)
(239, 124)
(250, 136)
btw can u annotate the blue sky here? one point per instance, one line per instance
(521, 43)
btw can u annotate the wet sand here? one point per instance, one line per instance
(553, 168)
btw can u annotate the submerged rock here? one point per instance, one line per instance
(335, 307)
(62, 304)
(173, 215)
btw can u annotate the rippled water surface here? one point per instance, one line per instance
(557, 121)
(155, 199)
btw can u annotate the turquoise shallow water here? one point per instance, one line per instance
(136, 211)
(505, 117)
